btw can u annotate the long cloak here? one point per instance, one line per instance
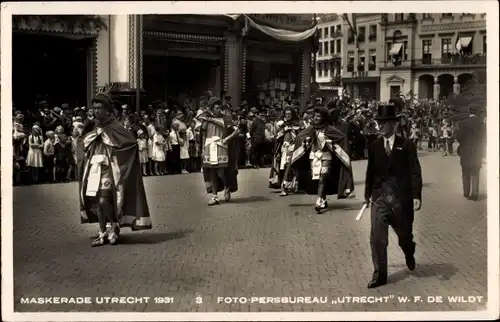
(131, 207)
(340, 180)
(276, 176)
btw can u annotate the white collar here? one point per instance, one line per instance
(391, 138)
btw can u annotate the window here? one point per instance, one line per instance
(326, 49)
(320, 49)
(362, 34)
(332, 47)
(446, 46)
(426, 51)
(373, 60)
(339, 28)
(405, 50)
(373, 33)
(320, 69)
(427, 16)
(484, 44)
(399, 16)
(350, 65)
(389, 46)
(339, 46)
(361, 64)
(332, 31)
(325, 32)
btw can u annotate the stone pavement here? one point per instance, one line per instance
(259, 245)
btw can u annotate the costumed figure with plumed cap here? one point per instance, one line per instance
(403, 125)
(219, 151)
(320, 161)
(18, 135)
(288, 128)
(111, 187)
(393, 187)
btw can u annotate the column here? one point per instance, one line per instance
(232, 57)
(456, 86)
(103, 67)
(306, 75)
(437, 88)
(124, 60)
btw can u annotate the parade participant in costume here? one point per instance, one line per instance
(111, 187)
(219, 152)
(394, 188)
(283, 149)
(403, 124)
(320, 162)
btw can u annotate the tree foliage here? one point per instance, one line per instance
(472, 96)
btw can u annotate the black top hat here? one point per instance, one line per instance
(387, 113)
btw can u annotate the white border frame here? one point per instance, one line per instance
(217, 7)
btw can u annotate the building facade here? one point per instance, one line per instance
(226, 54)
(431, 54)
(362, 56)
(328, 58)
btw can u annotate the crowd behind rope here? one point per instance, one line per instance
(168, 135)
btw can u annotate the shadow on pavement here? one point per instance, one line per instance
(443, 272)
(332, 205)
(153, 237)
(251, 199)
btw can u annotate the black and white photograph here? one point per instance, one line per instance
(187, 162)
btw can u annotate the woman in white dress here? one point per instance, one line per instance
(34, 160)
(158, 152)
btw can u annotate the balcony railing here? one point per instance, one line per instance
(372, 38)
(350, 68)
(337, 80)
(453, 60)
(372, 67)
(391, 64)
(361, 38)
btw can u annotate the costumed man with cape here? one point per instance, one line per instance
(219, 151)
(320, 161)
(111, 188)
(282, 153)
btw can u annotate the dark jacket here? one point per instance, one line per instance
(401, 170)
(258, 130)
(472, 138)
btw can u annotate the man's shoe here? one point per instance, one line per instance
(376, 283)
(214, 201)
(410, 262)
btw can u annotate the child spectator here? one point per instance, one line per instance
(34, 160)
(143, 151)
(48, 161)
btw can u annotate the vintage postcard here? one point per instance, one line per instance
(250, 161)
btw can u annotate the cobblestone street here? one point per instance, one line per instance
(257, 245)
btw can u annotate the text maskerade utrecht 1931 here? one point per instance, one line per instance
(256, 300)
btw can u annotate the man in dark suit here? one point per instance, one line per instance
(394, 189)
(471, 136)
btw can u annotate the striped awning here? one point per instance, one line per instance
(395, 49)
(463, 42)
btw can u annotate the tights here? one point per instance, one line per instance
(217, 178)
(106, 212)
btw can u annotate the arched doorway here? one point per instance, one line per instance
(51, 68)
(446, 85)
(465, 80)
(426, 86)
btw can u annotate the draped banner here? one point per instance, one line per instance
(279, 34)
